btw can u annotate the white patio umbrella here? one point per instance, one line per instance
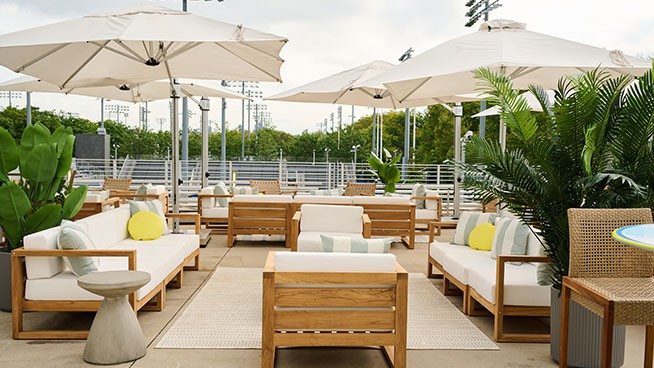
(133, 92)
(533, 103)
(139, 45)
(505, 46)
(339, 89)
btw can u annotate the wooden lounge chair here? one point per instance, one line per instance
(325, 299)
(270, 187)
(360, 189)
(117, 185)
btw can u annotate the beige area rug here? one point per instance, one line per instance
(226, 314)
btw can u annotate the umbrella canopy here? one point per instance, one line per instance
(349, 88)
(135, 92)
(141, 44)
(506, 46)
(533, 103)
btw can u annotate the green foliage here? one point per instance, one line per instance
(593, 151)
(40, 199)
(386, 171)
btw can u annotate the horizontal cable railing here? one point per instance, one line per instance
(301, 176)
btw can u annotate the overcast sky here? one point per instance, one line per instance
(326, 37)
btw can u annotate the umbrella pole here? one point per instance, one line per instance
(174, 130)
(204, 107)
(458, 113)
(502, 135)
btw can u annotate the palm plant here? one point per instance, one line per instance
(594, 151)
(386, 171)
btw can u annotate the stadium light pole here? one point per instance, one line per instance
(474, 13)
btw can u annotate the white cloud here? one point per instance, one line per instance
(326, 37)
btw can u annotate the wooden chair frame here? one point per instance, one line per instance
(339, 310)
(215, 224)
(295, 228)
(92, 208)
(247, 218)
(163, 197)
(392, 220)
(155, 300)
(428, 222)
(360, 189)
(270, 187)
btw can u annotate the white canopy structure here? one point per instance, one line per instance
(505, 46)
(139, 45)
(133, 92)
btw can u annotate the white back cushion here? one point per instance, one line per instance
(431, 204)
(334, 262)
(342, 219)
(380, 200)
(107, 228)
(533, 245)
(43, 267)
(207, 202)
(307, 198)
(156, 189)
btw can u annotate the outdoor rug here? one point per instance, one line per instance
(226, 314)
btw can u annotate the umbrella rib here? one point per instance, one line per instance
(254, 66)
(415, 89)
(88, 60)
(181, 50)
(135, 54)
(340, 95)
(145, 48)
(40, 57)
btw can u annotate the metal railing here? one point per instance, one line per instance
(302, 176)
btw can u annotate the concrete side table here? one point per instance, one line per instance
(115, 336)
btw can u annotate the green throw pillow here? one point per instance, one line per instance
(345, 244)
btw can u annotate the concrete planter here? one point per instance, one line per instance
(5, 281)
(584, 336)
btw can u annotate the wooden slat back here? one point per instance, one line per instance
(334, 320)
(334, 297)
(336, 278)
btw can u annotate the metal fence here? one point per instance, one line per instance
(302, 176)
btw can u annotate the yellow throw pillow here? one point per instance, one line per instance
(145, 225)
(481, 237)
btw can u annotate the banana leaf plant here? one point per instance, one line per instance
(40, 198)
(386, 171)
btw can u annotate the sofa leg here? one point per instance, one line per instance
(196, 264)
(498, 325)
(158, 303)
(176, 282)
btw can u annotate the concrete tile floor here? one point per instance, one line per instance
(14, 353)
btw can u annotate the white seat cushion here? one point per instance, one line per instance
(309, 241)
(215, 212)
(380, 200)
(335, 262)
(263, 198)
(96, 197)
(520, 286)
(172, 247)
(426, 214)
(64, 286)
(459, 265)
(437, 250)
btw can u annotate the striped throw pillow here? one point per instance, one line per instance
(152, 206)
(220, 188)
(510, 238)
(345, 244)
(326, 192)
(71, 236)
(245, 190)
(467, 222)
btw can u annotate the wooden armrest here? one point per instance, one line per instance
(400, 270)
(188, 215)
(22, 252)
(522, 258)
(215, 195)
(297, 216)
(112, 200)
(270, 263)
(293, 192)
(367, 226)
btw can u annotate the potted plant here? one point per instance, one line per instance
(386, 171)
(39, 198)
(594, 151)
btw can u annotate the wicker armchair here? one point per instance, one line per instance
(612, 280)
(117, 185)
(270, 187)
(360, 189)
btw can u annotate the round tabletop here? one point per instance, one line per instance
(639, 236)
(113, 283)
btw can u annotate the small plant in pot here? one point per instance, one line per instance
(386, 171)
(40, 197)
(594, 151)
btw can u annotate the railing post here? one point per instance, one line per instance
(438, 175)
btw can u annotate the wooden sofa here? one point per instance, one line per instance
(42, 283)
(96, 202)
(501, 288)
(259, 214)
(334, 299)
(390, 216)
(215, 218)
